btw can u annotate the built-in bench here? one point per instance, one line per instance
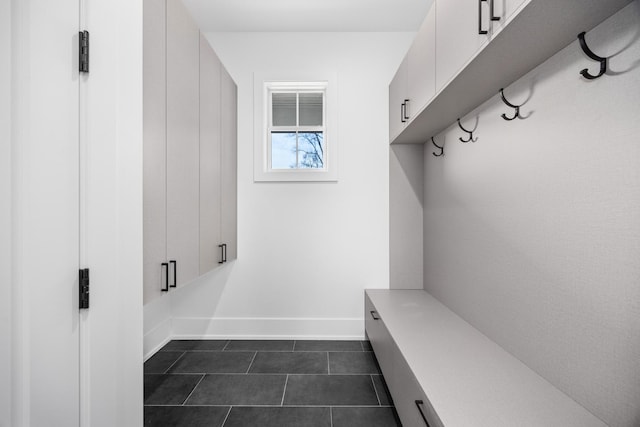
(441, 371)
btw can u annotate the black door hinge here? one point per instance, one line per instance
(84, 288)
(84, 51)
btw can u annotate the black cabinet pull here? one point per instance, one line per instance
(165, 265)
(221, 254)
(480, 30)
(406, 105)
(175, 273)
(493, 17)
(224, 252)
(419, 404)
(403, 107)
(374, 315)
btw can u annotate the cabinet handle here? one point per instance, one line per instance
(419, 404)
(493, 17)
(480, 30)
(175, 273)
(165, 265)
(403, 108)
(221, 254)
(406, 105)
(374, 315)
(224, 252)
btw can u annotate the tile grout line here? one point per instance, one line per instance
(294, 345)
(285, 390)
(226, 345)
(250, 364)
(362, 345)
(176, 361)
(331, 415)
(227, 417)
(194, 389)
(375, 389)
(328, 365)
(271, 406)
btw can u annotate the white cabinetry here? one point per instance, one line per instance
(189, 152)
(471, 67)
(210, 158)
(183, 178)
(414, 83)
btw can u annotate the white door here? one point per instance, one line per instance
(46, 227)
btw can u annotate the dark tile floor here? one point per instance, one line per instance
(267, 384)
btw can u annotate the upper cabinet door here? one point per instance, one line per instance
(457, 35)
(421, 66)
(183, 146)
(155, 147)
(504, 9)
(210, 182)
(229, 125)
(398, 101)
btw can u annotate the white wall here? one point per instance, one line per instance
(306, 251)
(532, 233)
(5, 213)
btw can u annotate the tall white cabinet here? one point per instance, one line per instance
(189, 152)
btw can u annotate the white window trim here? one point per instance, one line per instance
(263, 83)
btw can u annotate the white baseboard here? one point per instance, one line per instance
(155, 339)
(268, 328)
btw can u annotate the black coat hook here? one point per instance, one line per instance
(603, 61)
(517, 107)
(470, 132)
(437, 146)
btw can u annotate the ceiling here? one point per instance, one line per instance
(308, 15)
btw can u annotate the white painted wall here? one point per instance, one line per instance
(306, 251)
(531, 233)
(5, 213)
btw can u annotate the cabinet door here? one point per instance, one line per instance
(397, 97)
(457, 38)
(210, 182)
(421, 65)
(155, 147)
(183, 177)
(229, 126)
(381, 341)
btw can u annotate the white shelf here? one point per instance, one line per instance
(540, 30)
(469, 379)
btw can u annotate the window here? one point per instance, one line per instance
(296, 129)
(296, 141)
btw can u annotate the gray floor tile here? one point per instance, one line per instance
(383, 392)
(239, 390)
(365, 417)
(190, 345)
(185, 416)
(290, 363)
(260, 345)
(330, 390)
(328, 346)
(352, 363)
(213, 362)
(168, 389)
(366, 346)
(278, 417)
(161, 361)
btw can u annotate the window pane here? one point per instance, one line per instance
(311, 150)
(284, 109)
(311, 109)
(283, 150)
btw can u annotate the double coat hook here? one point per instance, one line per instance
(470, 132)
(437, 146)
(517, 107)
(603, 61)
